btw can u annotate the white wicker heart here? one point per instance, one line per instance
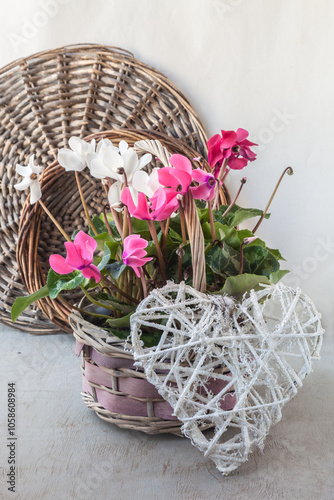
(267, 342)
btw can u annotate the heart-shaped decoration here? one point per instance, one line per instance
(260, 349)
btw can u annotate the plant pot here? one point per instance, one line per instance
(118, 391)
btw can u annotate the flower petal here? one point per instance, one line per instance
(70, 161)
(228, 139)
(237, 163)
(24, 184)
(144, 160)
(181, 162)
(242, 134)
(58, 264)
(200, 175)
(131, 163)
(24, 171)
(114, 194)
(86, 245)
(35, 192)
(123, 146)
(73, 257)
(91, 272)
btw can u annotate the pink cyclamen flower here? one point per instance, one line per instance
(233, 146)
(141, 210)
(79, 257)
(178, 177)
(134, 253)
(206, 185)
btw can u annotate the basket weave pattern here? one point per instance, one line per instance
(44, 100)
(118, 392)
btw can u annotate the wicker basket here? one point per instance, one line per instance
(113, 387)
(50, 96)
(117, 391)
(60, 195)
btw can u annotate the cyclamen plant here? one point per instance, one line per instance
(144, 240)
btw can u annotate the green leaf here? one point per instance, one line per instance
(75, 233)
(116, 303)
(237, 215)
(277, 275)
(174, 235)
(21, 303)
(119, 333)
(120, 322)
(237, 286)
(140, 227)
(106, 257)
(115, 269)
(113, 245)
(99, 225)
(276, 253)
(261, 261)
(58, 282)
(225, 261)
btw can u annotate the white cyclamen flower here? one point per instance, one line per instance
(30, 180)
(132, 166)
(76, 157)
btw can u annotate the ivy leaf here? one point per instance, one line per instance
(174, 235)
(115, 269)
(276, 253)
(21, 303)
(105, 237)
(116, 303)
(237, 215)
(225, 261)
(99, 226)
(123, 322)
(110, 251)
(277, 275)
(58, 282)
(237, 286)
(261, 261)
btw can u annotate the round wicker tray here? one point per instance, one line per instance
(38, 238)
(73, 90)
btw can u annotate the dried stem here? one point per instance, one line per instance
(83, 201)
(56, 223)
(288, 171)
(242, 182)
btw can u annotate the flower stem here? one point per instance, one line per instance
(113, 285)
(288, 171)
(212, 225)
(82, 311)
(56, 223)
(117, 221)
(106, 220)
(161, 261)
(242, 183)
(219, 178)
(96, 302)
(143, 282)
(183, 224)
(83, 201)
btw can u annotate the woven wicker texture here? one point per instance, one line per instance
(118, 392)
(73, 90)
(38, 238)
